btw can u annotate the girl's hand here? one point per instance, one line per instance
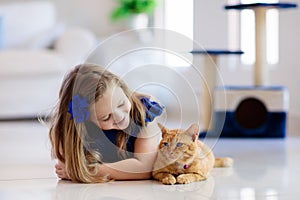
(61, 170)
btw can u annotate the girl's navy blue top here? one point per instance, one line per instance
(105, 141)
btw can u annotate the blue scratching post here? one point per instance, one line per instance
(258, 111)
(251, 112)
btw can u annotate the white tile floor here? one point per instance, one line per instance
(264, 169)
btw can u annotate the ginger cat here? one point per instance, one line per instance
(183, 159)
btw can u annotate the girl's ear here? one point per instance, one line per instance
(193, 131)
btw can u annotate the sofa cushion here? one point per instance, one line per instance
(47, 38)
(30, 63)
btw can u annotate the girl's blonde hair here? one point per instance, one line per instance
(67, 136)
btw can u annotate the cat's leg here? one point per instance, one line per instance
(165, 178)
(189, 178)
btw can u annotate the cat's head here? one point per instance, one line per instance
(177, 143)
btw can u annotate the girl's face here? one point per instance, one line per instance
(112, 110)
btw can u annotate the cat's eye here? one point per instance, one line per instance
(166, 144)
(179, 144)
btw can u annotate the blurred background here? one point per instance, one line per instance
(41, 40)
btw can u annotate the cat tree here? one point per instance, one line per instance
(251, 113)
(259, 110)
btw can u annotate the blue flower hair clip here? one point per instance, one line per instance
(79, 108)
(153, 110)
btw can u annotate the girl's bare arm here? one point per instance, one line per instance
(140, 166)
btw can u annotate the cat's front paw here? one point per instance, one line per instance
(184, 179)
(169, 180)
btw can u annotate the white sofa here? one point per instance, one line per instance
(35, 53)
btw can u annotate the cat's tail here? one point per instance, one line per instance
(223, 162)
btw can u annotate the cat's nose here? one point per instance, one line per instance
(172, 155)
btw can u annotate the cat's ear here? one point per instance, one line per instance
(162, 128)
(193, 131)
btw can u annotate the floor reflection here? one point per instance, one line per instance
(128, 190)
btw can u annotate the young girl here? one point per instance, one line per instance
(101, 130)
